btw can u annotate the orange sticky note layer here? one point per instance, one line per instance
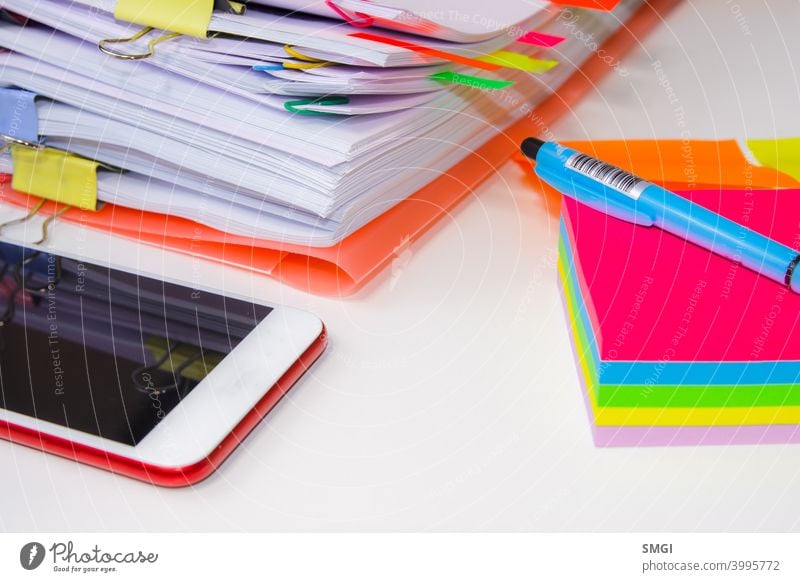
(685, 165)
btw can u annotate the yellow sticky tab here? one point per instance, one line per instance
(55, 175)
(190, 17)
(779, 154)
(518, 61)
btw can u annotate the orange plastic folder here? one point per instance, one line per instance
(344, 268)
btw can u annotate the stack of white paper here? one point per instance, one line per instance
(304, 155)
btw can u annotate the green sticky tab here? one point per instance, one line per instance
(470, 81)
(292, 106)
(779, 154)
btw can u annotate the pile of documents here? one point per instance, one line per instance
(287, 123)
(675, 344)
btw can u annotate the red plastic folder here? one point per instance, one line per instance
(344, 268)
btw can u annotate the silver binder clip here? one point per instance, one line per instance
(103, 44)
(45, 225)
(25, 218)
(227, 6)
(9, 141)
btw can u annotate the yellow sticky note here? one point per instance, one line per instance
(779, 154)
(511, 60)
(190, 17)
(55, 175)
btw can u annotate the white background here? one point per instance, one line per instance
(448, 399)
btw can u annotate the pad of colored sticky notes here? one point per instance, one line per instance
(676, 345)
(668, 334)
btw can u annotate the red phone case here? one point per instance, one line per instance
(169, 476)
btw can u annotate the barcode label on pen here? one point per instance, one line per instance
(611, 176)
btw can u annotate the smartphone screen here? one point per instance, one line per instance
(103, 351)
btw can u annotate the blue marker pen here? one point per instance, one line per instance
(621, 194)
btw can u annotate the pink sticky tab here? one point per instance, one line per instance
(540, 39)
(356, 19)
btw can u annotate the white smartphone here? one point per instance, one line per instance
(142, 377)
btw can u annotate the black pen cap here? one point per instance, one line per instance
(530, 147)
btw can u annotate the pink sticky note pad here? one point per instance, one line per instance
(655, 297)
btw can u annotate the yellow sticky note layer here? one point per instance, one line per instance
(511, 60)
(55, 175)
(190, 17)
(779, 154)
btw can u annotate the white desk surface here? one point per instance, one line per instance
(448, 399)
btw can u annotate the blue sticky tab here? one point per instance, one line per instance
(267, 67)
(18, 117)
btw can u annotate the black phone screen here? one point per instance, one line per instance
(103, 351)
